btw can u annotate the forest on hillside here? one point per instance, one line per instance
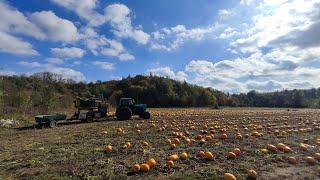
(46, 92)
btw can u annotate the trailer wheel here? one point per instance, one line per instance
(39, 125)
(52, 124)
(146, 115)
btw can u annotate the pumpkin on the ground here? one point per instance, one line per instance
(151, 162)
(144, 167)
(229, 176)
(135, 168)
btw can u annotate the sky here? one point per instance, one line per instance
(233, 46)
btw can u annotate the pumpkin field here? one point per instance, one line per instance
(178, 143)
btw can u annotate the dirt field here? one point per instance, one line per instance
(77, 151)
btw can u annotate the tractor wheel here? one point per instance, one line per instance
(146, 115)
(89, 119)
(89, 116)
(52, 124)
(124, 114)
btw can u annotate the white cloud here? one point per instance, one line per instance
(200, 66)
(13, 21)
(118, 15)
(223, 13)
(84, 9)
(95, 43)
(44, 25)
(167, 72)
(66, 73)
(100, 45)
(274, 42)
(247, 2)
(274, 2)
(55, 28)
(172, 38)
(14, 45)
(68, 52)
(116, 49)
(228, 33)
(255, 72)
(126, 57)
(54, 61)
(274, 21)
(104, 65)
(119, 18)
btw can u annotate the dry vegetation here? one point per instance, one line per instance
(79, 151)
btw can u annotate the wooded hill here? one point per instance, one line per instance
(46, 92)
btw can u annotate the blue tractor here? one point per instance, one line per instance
(127, 108)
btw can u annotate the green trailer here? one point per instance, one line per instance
(49, 120)
(88, 110)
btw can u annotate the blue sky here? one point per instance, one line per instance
(234, 46)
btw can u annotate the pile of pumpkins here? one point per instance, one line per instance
(144, 167)
(252, 174)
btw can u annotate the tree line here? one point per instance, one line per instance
(46, 92)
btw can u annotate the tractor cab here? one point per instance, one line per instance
(126, 102)
(127, 107)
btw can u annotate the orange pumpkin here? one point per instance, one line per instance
(151, 162)
(145, 167)
(109, 148)
(119, 130)
(231, 155)
(252, 174)
(292, 160)
(135, 168)
(223, 136)
(209, 138)
(317, 156)
(271, 147)
(124, 146)
(281, 146)
(208, 155)
(173, 157)
(229, 176)
(236, 151)
(172, 146)
(145, 143)
(168, 141)
(309, 160)
(198, 137)
(304, 147)
(170, 163)
(264, 151)
(287, 149)
(176, 141)
(201, 153)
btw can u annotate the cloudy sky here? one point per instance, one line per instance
(234, 45)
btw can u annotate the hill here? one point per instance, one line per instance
(46, 92)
